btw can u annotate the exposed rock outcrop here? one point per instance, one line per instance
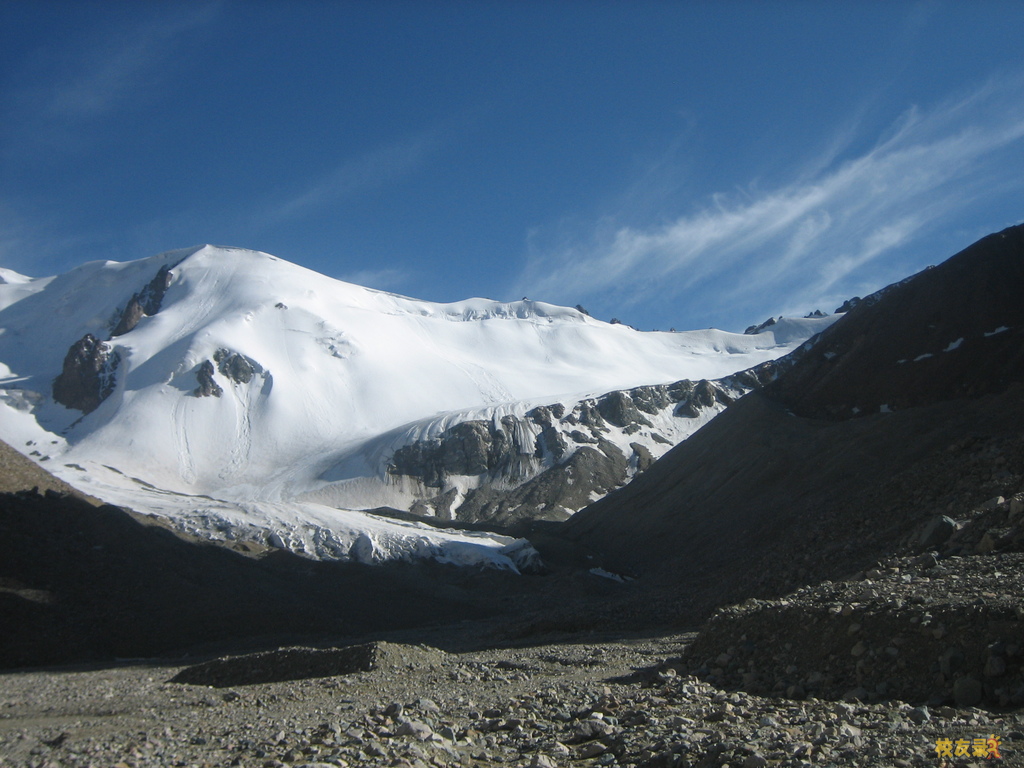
(146, 302)
(130, 317)
(207, 386)
(619, 409)
(762, 327)
(237, 367)
(556, 459)
(848, 305)
(87, 378)
(234, 366)
(469, 448)
(555, 493)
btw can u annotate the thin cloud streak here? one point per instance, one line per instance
(387, 279)
(117, 67)
(64, 92)
(361, 173)
(813, 233)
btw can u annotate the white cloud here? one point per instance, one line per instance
(807, 236)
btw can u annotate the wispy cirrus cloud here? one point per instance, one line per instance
(116, 66)
(387, 279)
(360, 173)
(60, 89)
(804, 239)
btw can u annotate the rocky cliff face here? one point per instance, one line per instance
(88, 375)
(558, 458)
(145, 303)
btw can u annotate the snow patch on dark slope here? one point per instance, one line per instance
(861, 363)
(249, 391)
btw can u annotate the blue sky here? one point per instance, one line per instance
(671, 164)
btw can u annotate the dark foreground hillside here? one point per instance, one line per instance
(79, 582)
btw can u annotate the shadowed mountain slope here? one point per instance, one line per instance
(85, 583)
(951, 331)
(19, 473)
(814, 477)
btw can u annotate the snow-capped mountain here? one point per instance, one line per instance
(245, 396)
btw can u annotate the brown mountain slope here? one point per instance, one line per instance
(18, 473)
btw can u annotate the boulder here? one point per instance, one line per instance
(207, 386)
(236, 366)
(936, 532)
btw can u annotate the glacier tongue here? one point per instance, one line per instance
(254, 393)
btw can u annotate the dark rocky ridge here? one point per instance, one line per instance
(145, 303)
(761, 327)
(890, 350)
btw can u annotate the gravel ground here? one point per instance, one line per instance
(945, 631)
(621, 702)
